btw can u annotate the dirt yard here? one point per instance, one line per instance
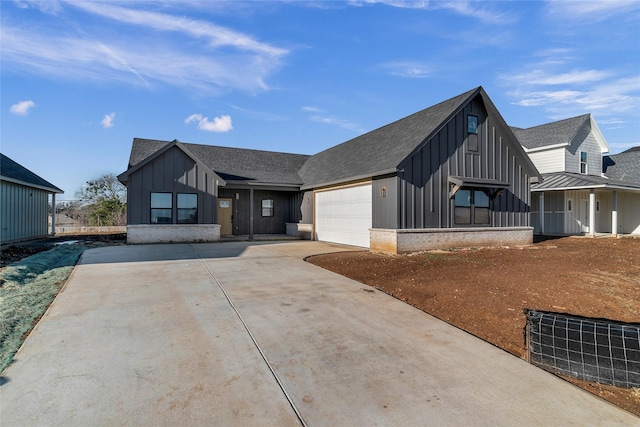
(484, 291)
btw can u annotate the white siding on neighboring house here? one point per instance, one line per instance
(603, 216)
(577, 219)
(584, 141)
(628, 213)
(548, 161)
(344, 215)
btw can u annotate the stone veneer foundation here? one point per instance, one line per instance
(403, 241)
(173, 233)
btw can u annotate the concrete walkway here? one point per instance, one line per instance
(243, 334)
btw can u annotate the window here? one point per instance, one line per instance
(583, 162)
(472, 124)
(187, 208)
(161, 208)
(267, 207)
(471, 207)
(569, 204)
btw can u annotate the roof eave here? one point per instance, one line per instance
(348, 179)
(52, 189)
(545, 147)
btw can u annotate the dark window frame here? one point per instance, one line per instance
(192, 218)
(158, 208)
(470, 206)
(269, 209)
(584, 164)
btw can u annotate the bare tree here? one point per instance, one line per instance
(105, 200)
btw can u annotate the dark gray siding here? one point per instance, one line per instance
(282, 210)
(423, 178)
(385, 202)
(301, 207)
(172, 172)
(24, 212)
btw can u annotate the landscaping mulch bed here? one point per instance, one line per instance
(484, 290)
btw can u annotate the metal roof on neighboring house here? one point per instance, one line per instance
(555, 133)
(624, 166)
(12, 171)
(232, 164)
(576, 181)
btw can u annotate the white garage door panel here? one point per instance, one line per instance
(344, 215)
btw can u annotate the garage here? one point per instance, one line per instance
(344, 215)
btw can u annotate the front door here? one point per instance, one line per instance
(225, 212)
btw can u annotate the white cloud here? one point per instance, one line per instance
(107, 121)
(584, 11)
(22, 108)
(477, 10)
(541, 77)
(344, 124)
(218, 59)
(218, 124)
(409, 69)
(310, 109)
(215, 35)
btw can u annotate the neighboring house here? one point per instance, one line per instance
(575, 197)
(24, 202)
(451, 175)
(625, 166)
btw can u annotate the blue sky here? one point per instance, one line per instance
(80, 80)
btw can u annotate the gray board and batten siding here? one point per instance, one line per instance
(24, 207)
(286, 208)
(172, 171)
(418, 195)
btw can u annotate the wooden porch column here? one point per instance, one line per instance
(592, 212)
(251, 214)
(542, 212)
(614, 214)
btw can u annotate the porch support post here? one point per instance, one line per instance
(541, 212)
(592, 212)
(614, 214)
(53, 214)
(251, 214)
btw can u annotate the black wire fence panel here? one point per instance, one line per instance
(597, 350)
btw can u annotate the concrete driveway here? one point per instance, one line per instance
(242, 334)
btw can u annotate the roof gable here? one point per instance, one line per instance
(230, 164)
(137, 161)
(12, 171)
(551, 135)
(381, 150)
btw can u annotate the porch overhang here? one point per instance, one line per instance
(458, 182)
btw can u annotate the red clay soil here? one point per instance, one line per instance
(484, 291)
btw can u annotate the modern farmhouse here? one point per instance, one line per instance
(451, 175)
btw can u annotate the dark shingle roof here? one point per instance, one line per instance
(624, 166)
(232, 164)
(375, 153)
(575, 181)
(15, 172)
(381, 150)
(560, 132)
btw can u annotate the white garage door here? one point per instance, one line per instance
(344, 215)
